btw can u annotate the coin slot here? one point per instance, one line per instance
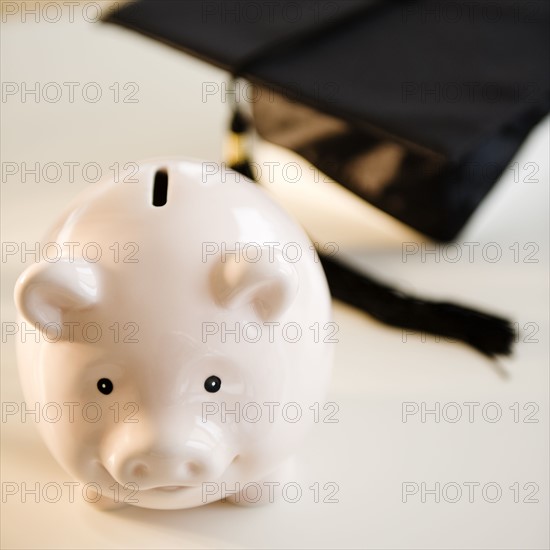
(160, 188)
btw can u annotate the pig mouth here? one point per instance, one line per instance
(170, 488)
(166, 489)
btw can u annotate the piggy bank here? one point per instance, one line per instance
(182, 337)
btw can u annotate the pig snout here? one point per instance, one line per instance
(160, 460)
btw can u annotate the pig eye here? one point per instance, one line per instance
(105, 386)
(212, 384)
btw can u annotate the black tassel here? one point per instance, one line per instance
(239, 124)
(244, 168)
(238, 157)
(488, 334)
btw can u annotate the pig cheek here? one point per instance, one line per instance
(62, 407)
(74, 441)
(88, 418)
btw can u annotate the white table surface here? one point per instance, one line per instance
(370, 453)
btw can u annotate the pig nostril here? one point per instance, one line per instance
(193, 468)
(139, 470)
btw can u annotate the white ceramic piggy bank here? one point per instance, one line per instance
(184, 337)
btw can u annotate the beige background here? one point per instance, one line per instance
(370, 453)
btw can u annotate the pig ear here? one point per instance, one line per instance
(46, 292)
(269, 284)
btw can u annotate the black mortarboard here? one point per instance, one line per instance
(442, 92)
(437, 95)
